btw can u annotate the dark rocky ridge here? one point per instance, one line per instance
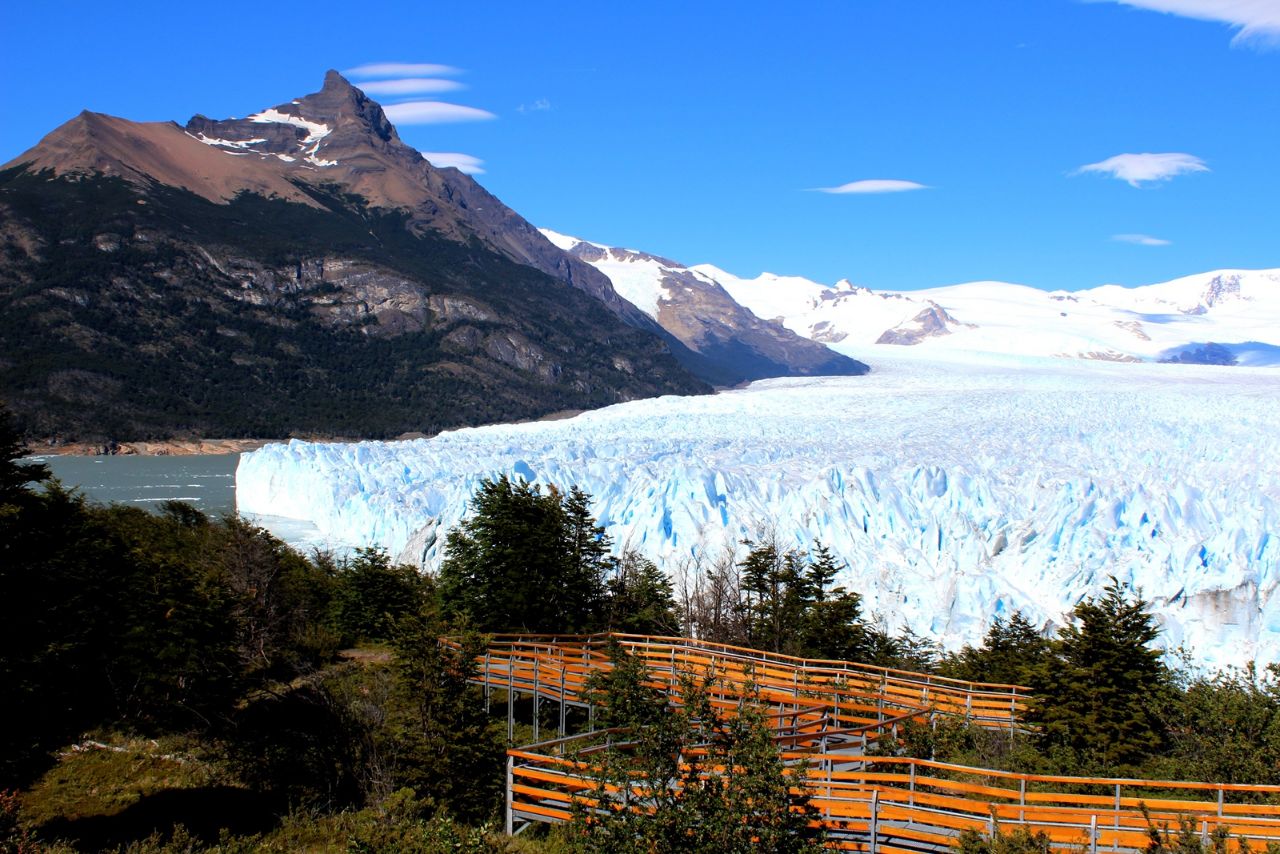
(153, 285)
(735, 344)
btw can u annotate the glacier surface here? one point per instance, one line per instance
(954, 489)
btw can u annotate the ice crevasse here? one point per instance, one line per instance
(953, 490)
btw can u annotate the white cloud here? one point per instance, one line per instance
(1140, 239)
(1137, 168)
(461, 162)
(876, 185)
(410, 86)
(538, 106)
(402, 69)
(434, 113)
(1258, 21)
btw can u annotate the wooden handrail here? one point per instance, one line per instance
(916, 806)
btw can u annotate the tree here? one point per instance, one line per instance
(1101, 691)
(702, 781)
(1011, 652)
(778, 596)
(371, 596)
(1225, 727)
(526, 561)
(448, 748)
(640, 598)
(15, 476)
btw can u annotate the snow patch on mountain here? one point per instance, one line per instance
(1238, 309)
(956, 488)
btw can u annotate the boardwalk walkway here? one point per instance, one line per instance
(826, 716)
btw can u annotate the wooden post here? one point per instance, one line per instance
(510, 794)
(486, 682)
(562, 703)
(511, 712)
(536, 695)
(1220, 799)
(911, 797)
(875, 821)
(1117, 821)
(1022, 800)
(1093, 834)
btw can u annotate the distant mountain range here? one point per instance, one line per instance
(704, 317)
(1220, 317)
(301, 271)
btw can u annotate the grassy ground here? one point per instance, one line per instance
(112, 792)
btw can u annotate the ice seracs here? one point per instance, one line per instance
(955, 488)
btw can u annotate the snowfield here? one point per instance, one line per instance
(955, 488)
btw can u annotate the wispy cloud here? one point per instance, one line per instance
(874, 185)
(402, 69)
(434, 113)
(539, 106)
(1140, 239)
(410, 86)
(1257, 21)
(1139, 168)
(461, 162)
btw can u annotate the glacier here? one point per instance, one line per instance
(955, 488)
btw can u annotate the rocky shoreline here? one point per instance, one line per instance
(158, 448)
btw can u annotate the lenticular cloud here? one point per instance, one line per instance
(1138, 169)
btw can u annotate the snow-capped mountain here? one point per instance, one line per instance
(701, 315)
(955, 486)
(1237, 310)
(299, 270)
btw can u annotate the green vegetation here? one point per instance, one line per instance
(783, 601)
(715, 782)
(181, 683)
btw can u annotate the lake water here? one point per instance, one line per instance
(205, 482)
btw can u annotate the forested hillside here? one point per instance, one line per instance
(181, 683)
(132, 314)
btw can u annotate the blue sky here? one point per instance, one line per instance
(703, 131)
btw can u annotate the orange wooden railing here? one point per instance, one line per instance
(906, 806)
(826, 715)
(557, 667)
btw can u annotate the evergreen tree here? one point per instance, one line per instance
(525, 561)
(640, 598)
(15, 476)
(1012, 651)
(778, 597)
(1101, 691)
(448, 749)
(371, 596)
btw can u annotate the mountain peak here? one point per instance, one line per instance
(333, 80)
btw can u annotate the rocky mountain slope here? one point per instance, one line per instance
(298, 271)
(1219, 317)
(705, 318)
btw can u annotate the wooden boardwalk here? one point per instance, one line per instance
(826, 715)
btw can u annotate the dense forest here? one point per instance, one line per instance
(175, 682)
(128, 314)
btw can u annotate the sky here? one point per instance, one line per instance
(899, 143)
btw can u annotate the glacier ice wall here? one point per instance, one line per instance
(954, 490)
